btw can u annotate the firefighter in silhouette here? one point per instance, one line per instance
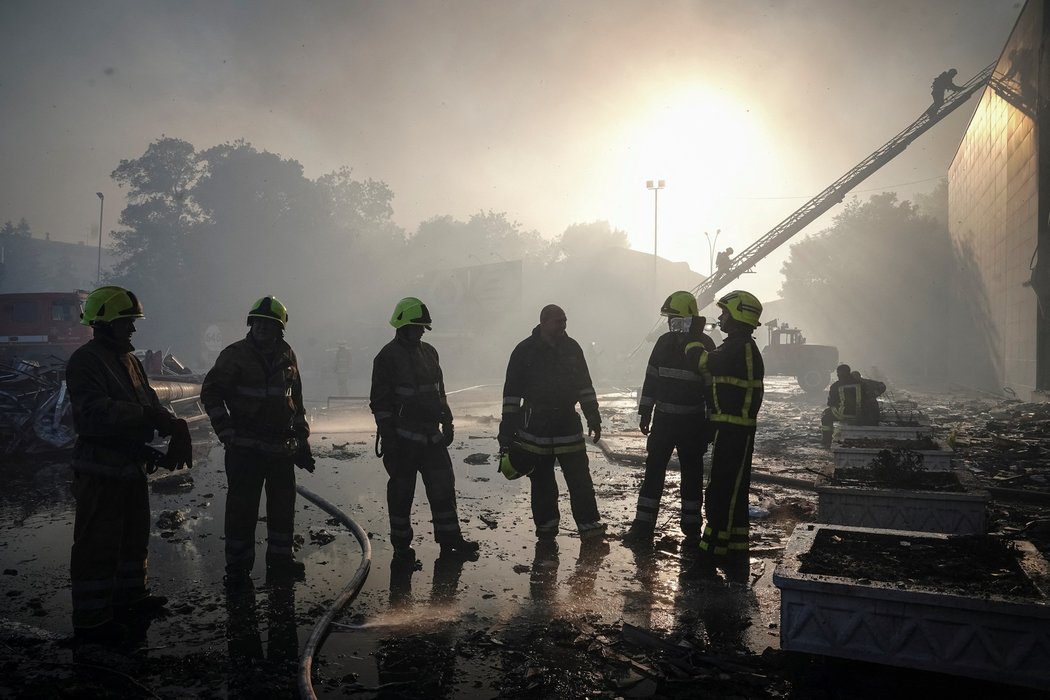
(671, 412)
(547, 376)
(844, 403)
(941, 84)
(342, 368)
(723, 260)
(254, 398)
(736, 372)
(414, 427)
(115, 415)
(870, 391)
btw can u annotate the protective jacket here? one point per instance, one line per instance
(844, 399)
(408, 393)
(543, 385)
(256, 399)
(736, 370)
(671, 386)
(108, 392)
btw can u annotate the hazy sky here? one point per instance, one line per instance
(555, 112)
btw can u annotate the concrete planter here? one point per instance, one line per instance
(884, 432)
(1004, 639)
(961, 512)
(860, 457)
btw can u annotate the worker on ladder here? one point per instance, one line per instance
(941, 84)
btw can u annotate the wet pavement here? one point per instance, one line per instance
(526, 619)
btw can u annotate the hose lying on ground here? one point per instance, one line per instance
(306, 689)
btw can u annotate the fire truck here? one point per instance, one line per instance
(41, 326)
(789, 354)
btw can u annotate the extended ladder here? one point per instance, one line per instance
(834, 193)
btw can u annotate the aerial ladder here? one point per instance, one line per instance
(835, 192)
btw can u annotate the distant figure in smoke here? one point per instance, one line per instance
(342, 368)
(723, 260)
(942, 83)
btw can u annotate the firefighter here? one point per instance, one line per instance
(672, 414)
(415, 427)
(254, 399)
(546, 377)
(844, 403)
(870, 391)
(115, 415)
(736, 371)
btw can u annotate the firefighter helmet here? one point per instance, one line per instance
(509, 470)
(107, 304)
(411, 312)
(269, 307)
(680, 304)
(742, 306)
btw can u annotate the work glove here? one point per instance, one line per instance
(303, 458)
(506, 434)
(448, 432)
(180, 448)
(643, 424)
(595, 429)
(159, 419)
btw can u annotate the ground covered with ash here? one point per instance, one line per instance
(525, 620)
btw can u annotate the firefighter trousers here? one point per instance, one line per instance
(107, 564)
(435, 466)
(725, 535)
(248, 472)
(575, 467)
(687, 435)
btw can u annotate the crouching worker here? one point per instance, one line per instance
(844, 403)
(254, 398)
(115, 415)
(414, 428)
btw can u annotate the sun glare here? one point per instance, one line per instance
(708, 148)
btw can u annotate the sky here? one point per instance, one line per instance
(555, 112)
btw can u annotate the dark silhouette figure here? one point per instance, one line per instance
(723, 259)
(941, 84)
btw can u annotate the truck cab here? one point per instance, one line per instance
(41, 325)
(788, 353)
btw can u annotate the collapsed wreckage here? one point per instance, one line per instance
(35, 415)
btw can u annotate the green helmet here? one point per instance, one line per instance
(742, 306)
(680, 304)
(508, 470)
(411, 312)
(107, 304)
(269, 307)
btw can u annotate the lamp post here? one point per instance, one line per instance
(101, 203)
(655, 186)
(711, 251)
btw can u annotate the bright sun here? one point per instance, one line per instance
(709, 149)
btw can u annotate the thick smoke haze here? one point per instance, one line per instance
(555, 113)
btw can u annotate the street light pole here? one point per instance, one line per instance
(711, 251)
(101, 202)
(655, 186)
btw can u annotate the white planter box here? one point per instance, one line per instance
(950, 512)
(884, 432)
(999, 638)
(860, 457)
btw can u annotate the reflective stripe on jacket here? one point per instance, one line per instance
(736, 371)
(844, 398)
(259, 397)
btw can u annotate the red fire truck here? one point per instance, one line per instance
(41, 326)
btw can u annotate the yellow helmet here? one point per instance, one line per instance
(508, 470)
(109, 303)
(680, 304)
(742, 306)
(411, 312)
(269, 307)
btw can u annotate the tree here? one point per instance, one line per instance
(20, 261)
(874, 285)
(443, 242)
(590, 238)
